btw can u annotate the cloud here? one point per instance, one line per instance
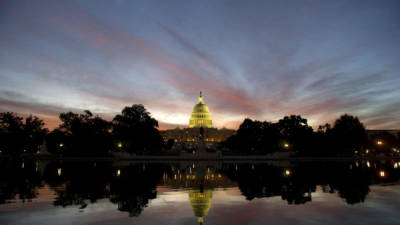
(262, 61)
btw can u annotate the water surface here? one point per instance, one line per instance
(122, 192)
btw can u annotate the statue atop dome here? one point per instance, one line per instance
(201, 98)
(201, 116)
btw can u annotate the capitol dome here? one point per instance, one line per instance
(200, 202)
(201, 116)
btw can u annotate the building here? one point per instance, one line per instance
(201, 116)
(392, 132)
(200, 119)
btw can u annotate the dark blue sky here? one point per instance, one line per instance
(258, 59)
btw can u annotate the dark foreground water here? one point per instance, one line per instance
(279, 192)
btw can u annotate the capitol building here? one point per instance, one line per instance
(201, 116)
(200, 119)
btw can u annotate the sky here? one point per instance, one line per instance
(258, 59)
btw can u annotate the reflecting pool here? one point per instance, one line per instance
(202, 192)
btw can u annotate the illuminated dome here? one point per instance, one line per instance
(200, 202)
(201, 116)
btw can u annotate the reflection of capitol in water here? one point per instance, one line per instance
(201, 180)
(200, 200)
(132, 185)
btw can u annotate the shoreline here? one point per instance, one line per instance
(255, 158)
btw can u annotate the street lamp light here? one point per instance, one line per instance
(286, 145)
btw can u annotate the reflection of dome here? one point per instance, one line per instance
(201, 202)
(201, 116)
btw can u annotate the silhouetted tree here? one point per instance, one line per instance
(35, 133)
(254, 137)
(296, 131)
(18, 136)
(324, 129)
(348, 133)
(55, 141)
(11, 136)
(398, 139)
(322, 140)
(81, 135)
(137, 131)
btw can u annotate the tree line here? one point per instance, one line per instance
(135, 131)
(346, 137)
(132, 131)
